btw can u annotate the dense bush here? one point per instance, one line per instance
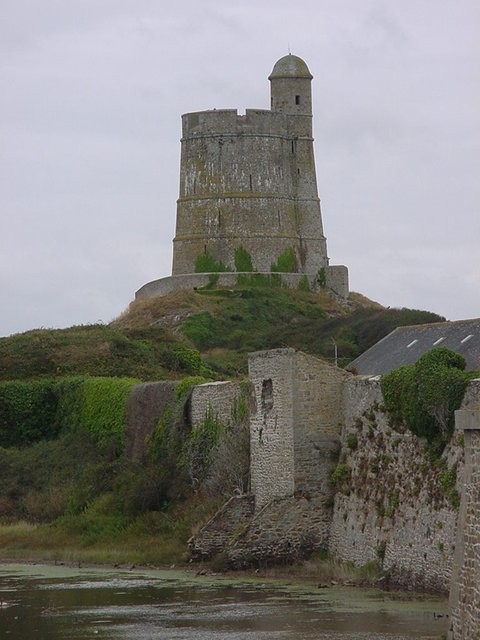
(27, 412)
(426, 394)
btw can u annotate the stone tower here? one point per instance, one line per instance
(248, 185)
(250, 181)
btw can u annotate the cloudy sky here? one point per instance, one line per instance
(92, 93)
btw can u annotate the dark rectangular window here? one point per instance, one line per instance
(297, 99)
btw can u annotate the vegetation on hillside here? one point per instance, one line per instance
(80, 494)
(63, 393)
(207, 332)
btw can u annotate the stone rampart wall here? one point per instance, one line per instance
(164, 286)
(145, 406)
(465, 585)
(286, 530)
(392, 505)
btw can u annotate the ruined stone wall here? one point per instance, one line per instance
(465, 585)
(295, 423)
(223, 528)
(393, 504)
(219, 398)
(286, 530)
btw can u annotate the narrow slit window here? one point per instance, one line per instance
(297, 99)
(251, 185)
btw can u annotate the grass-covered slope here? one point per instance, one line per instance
(67, 488)
(164, 337)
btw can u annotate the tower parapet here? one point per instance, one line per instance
(249, 182)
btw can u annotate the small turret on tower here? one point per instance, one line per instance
(291, 89)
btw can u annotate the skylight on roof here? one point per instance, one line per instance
(412, 343)
(466, 339)
(438, 341)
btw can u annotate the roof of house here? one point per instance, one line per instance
(405, 345)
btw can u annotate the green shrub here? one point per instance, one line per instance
(96, 404)
(201, 328)
(381, 549)
(286, 262)
(206, 263)
(243, 260)
(180, 357)
(352, 441)
(212, 279)
(447, 480)
(322, 277)
(340, 474)
(104, 408)
(425, 395)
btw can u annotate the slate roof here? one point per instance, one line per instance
(405, 345)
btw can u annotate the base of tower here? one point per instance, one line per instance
(336, 280)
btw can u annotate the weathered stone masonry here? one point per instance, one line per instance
(465, 586)
(305, 417)
(295, 424)
(390, 508)
(249, 181)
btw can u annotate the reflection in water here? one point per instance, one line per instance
(55, 603)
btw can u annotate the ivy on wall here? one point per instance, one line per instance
(36, 410)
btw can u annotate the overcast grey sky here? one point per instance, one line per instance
(92, 93)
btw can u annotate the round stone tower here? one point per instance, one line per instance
(248, 181)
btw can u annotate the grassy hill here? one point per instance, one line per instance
(67, 489)
(207, 332)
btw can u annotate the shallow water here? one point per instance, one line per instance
(54, 603)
